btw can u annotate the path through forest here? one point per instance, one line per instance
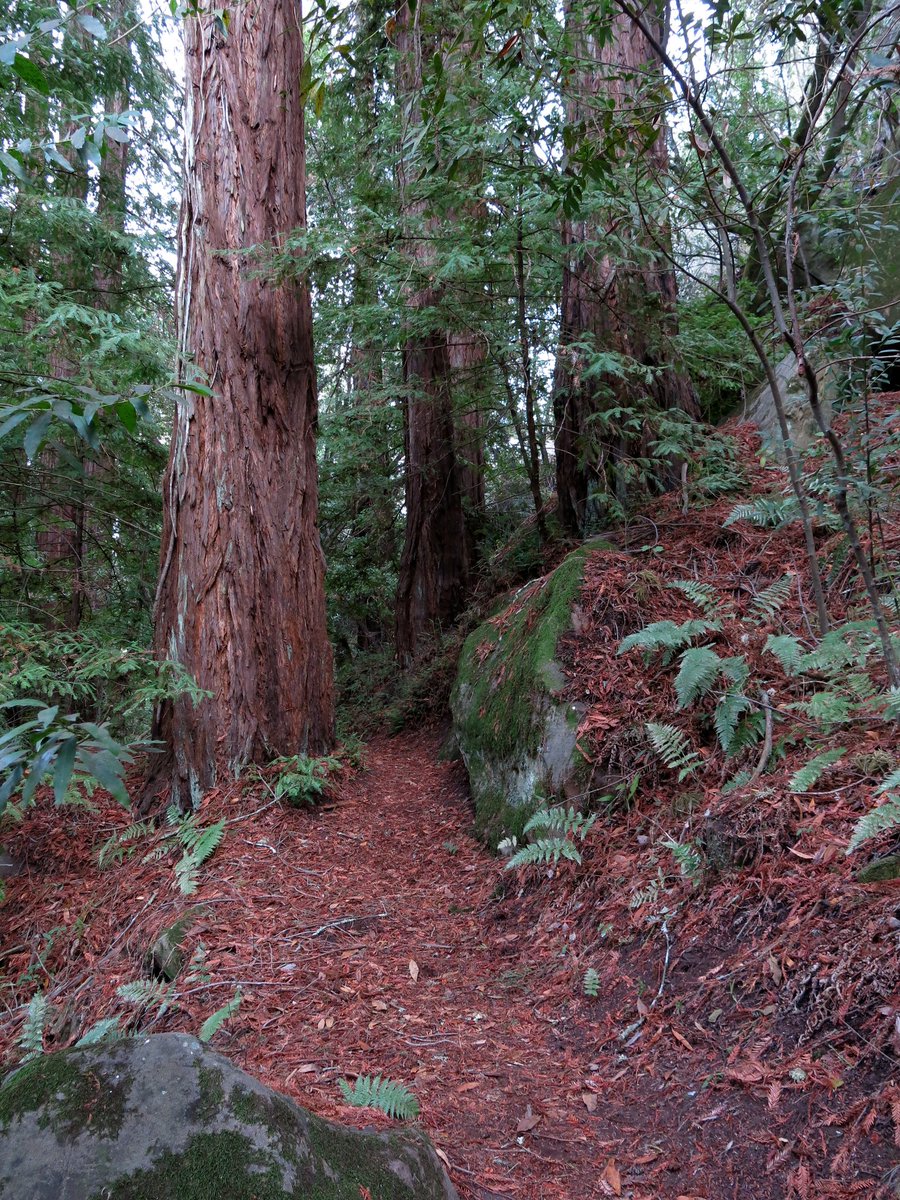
(374, 935)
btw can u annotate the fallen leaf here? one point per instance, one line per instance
(468, 1087)
(441, 1155)
(414, 970)
(590, 1101)
(528, 1122)
(379, 1006)
(612, 1177)
(681, 1038)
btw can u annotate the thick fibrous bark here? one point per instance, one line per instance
(240, 601)
(437, 552)
(613, 306)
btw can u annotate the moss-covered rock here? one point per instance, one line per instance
(155, 1118)
(514, 731)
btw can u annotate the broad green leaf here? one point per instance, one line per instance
(12, 165)
(94, 27)
(65, 765)
(29, 72)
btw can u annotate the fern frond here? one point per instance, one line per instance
(787, 650)
(736, 670)
(686, 856)
(31, 1037)
(889, 782)
(765, 512)
(591, 982)
(809, 775)
(703, 595)
(765, 605)
(214, 1023)
(389, 1097)
(699, 670)
(560, 822)
(106, 1030)
(674, 748)
(879, 819)
(737, 781)
(725, 719)
(115, 848)
(544, 850)
(667, 636)
(145, 992)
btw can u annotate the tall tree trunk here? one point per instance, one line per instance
(607, 304)
(437, 552)
(240, 601)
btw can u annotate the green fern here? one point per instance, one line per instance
(674, 748)
(878, 820)
(766, 512)
(700, 668)
(389, 1097)
(787, 650)
(736, 782)
(728, 712)
(591, 983)
(31, 1037)
(559, 826)
(889, 783)
(808, 776)
(106, 1030)
(686, 855)
(544, 850)
(764, 606)
(199, 845)
(214, 1023)
(666, 636)
(123, 844)
(703, 595)
(146, 993)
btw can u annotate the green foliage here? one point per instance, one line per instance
(302, 781)
(809, 775)
(666, 636)
(123, 844)
(700, 668)
(199, 845)
(31, 1036)
(768, 512)
(214, 1023)
(884, 817)
(591, 983)
(787, 650)
(560, 829)
(703, 595)
(391, 1098)
(687, 856)
(62, 747)
(765, 605)
(105, 1030)
(674, 748)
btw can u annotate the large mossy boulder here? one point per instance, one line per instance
(164, 1118)
(514, 730)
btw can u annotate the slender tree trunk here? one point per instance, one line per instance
(606, 304)
(437, 552)
(240, 601)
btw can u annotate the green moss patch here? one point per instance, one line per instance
(506, 699)
(71, 1100)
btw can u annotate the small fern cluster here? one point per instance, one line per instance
(558, 829)
(302, 781)
(884, 816)
(389, 1097)
(199, 844)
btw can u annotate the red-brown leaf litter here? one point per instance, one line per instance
(743, 1044)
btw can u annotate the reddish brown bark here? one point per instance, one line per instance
(606, 303)
(437, 551)
(241, 595)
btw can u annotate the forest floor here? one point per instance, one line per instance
(745, 1038)
(379, 937)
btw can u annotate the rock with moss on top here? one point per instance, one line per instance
(515, 732)
(155, 1118)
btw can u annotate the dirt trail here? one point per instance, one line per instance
(373, 936)
(407, 968)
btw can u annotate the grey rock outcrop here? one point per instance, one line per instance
(164, 1118)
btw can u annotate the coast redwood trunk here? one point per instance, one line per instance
(607, 303)
(240, 601)
(438, 548)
